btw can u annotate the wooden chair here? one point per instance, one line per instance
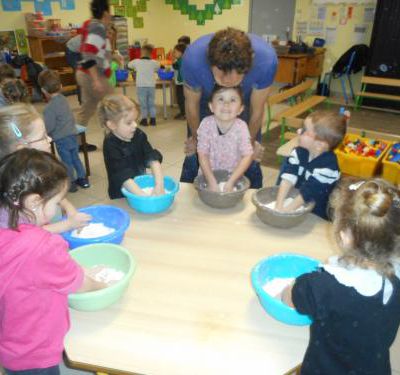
(364, 93)
(81, 131)
(306, 103)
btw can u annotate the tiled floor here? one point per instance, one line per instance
(168, 136)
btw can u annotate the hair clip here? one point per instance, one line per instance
(356, 185)
(16, 130)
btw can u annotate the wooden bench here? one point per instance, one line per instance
(306, 103)
(366, 80)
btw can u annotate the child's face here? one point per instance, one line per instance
(38, 139)
(125, 128)
(177, 54)
(307, 135)
(45, 211)
(226, 105)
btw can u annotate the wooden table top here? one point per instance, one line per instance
(190, 307)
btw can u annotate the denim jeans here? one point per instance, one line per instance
(190, 168)
(146, 101)
(55, 370)
(68, 150)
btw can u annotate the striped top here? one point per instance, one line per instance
(95, 48)
(315, 178)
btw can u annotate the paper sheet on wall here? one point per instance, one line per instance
(316, 28)
(359, 34)
(369, 15)
(301, 28)
(330, 36)
(321, 13)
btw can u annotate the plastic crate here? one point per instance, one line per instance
(360, 166)
(391, 170)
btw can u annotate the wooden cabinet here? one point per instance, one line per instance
(294, 68)
(51, 52)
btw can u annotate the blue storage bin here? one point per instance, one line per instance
(151, 204)
(121, 75)
(284, 265)
(110, 216)
(165, 75)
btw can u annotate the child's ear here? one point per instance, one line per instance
(210, 106)
(32, 202)
(241, 109)
(111, 125)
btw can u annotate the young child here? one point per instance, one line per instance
(36, 271)
(178, 52)
(145, 68)
(61, 127)
(15, 91)
(127, 152)
(185, 39)
(312, 167)
(22, 127)
(6, 73)
(224, 139)
(354, 300)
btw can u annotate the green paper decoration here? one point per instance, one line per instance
(138, 23)
(141, 6)
(119, 10)
(113, 2)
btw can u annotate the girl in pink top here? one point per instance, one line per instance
(36, 271)
(224, 139)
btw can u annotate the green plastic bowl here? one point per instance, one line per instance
(111, 255)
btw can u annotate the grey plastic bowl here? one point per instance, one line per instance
(277, 219)
(217, 199)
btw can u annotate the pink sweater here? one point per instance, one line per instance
(36, 276)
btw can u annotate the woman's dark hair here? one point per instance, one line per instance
(181, 47)
(230, 49)
(28, 171)
(218, 88)
(184, 39)
(98, 7)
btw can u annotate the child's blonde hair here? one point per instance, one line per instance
(114, 107)
(370, 210)
(50, 81)
(15, 125)
(329, 127)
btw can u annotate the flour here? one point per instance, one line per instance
(221, 187)
(149, 191)
(92, 230)
(286, 202)
(105, 274)
(276, 286)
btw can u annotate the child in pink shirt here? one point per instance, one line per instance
(224, 139)
(36, 271)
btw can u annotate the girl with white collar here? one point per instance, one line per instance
(354, 299)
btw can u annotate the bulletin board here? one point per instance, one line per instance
(342, 24)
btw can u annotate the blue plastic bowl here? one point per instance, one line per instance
(165, 75)
(281, 265)
(121, 75)
(151, 204)
(110, 216)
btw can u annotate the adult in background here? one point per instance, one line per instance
(228, 58)
(73, 56)
(94, 69)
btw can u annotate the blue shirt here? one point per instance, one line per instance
(314, 178)
(196, 71)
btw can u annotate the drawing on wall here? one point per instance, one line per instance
(22, 42)
(43, 6)
(8, 41)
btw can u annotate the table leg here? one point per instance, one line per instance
(164, 95)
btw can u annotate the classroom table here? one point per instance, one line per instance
(190, 307)
(159, 83)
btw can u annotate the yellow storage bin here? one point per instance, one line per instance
(356, 165)
(391, 170)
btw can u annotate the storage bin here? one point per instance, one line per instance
(357, 165)
(391, 169)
